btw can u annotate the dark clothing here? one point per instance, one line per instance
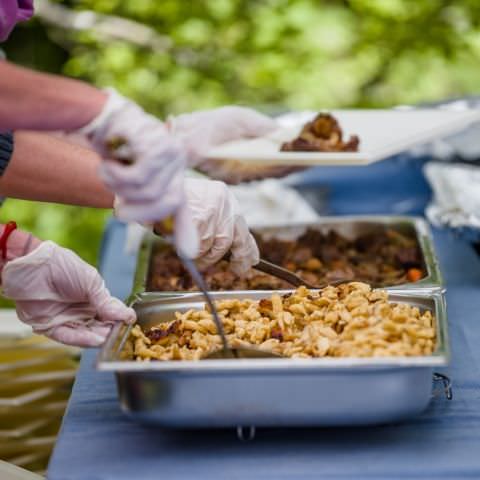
(6, 150)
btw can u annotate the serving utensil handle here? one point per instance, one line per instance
(280, 272)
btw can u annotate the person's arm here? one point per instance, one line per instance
(44, 168)
(37, 101)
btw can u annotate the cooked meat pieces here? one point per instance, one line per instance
(381, 258)
(408, 256)
(322, 134)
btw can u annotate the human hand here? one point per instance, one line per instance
(62, 297)
(220, 226)
(147, 175)
(202, 130)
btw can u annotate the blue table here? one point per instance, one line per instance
(98, 442)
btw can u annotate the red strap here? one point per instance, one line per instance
(9, 228)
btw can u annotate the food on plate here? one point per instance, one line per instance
(350, 320)
(382, 258)
(322, 134)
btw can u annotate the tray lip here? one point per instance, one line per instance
(439, 358)
(432, 281)
(140, 277)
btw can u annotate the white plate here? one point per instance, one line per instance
(382, 133)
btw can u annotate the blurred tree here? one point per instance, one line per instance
(174, 56)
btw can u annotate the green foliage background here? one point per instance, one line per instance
(273, 54)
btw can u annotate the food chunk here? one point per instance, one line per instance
(322, 134)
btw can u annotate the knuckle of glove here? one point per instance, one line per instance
(245, 254)
(240, 267)
(80, 337)
(113, 310)
(220, 247)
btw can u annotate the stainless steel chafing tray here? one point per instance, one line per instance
(271, 392)
(348, 226)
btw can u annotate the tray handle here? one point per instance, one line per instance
(446, 383)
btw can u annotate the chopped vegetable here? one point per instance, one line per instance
(414, 274)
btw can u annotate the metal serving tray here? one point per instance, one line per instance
(271, 392)
(349, 226)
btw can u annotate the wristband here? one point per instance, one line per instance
(7, 231)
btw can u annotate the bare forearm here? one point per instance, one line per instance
(44, 168)
(38, 101)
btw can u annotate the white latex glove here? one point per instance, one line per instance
(220, 226)
(202, 130)
(62, 297)
(151, 188)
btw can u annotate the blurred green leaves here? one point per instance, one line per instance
(73, 227)
(289, 53)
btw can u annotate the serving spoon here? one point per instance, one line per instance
(288, 276)
(291, 277)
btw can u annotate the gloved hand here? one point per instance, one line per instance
(220, 226)
(149, 183)
(62, 297)
(150, 187)
(202, 130)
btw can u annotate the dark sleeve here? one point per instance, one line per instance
(6, 150)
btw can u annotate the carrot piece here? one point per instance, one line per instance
(414, 274)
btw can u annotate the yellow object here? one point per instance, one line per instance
(165, 227)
